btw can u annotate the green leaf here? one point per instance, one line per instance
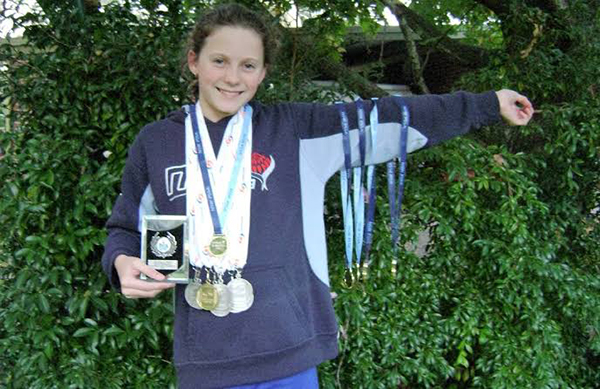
(113, 330)
(43, 303)
(85, 331)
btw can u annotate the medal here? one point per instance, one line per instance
(191, 291)
(163, 246)
(242, 294)
(207, 297)
(218, 245)
(222, 308)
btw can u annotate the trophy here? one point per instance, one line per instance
(164, 246)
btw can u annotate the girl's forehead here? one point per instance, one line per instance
(235, 41)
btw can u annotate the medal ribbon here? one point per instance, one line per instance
(395, 199)
(219, 221)
(359, 199)
(345, 187)
(371, 184)
(226, 198)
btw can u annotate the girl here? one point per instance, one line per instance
(250, 179)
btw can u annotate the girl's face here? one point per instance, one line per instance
(229, 68)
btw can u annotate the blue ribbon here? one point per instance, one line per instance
(396, 196)
(345, 187)
(359, 200)
(371, 184)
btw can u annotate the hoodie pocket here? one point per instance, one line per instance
(274, 322)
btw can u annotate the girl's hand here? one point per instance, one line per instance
(129, 270)
(515, 108)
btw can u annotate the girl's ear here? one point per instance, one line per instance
(192, 60)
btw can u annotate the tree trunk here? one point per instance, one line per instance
(415, 60)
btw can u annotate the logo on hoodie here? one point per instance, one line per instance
(175, 181)
(262, 168)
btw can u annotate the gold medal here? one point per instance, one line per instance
(218, 245)
(207, 297)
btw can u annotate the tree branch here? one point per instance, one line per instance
(469, 56)
(328, 67)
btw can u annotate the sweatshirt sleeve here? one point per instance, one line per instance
(443, 117)
(433, 120)
(437, 117)
(124, 223)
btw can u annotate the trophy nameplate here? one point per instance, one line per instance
(165, 246)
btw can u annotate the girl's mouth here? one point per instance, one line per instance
(229, 93)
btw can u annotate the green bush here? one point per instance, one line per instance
(84, 89)
(507, 296)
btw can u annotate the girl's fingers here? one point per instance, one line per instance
(137, 284)
(147, 270)
(129, 269)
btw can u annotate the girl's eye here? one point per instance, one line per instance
(218, 61)
(249, 66)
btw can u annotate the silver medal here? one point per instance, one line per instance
(191, 290)
(163, 246)
(242, 294)
(223, 307)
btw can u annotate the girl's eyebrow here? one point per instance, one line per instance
(219, 54)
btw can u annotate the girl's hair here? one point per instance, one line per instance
(232, 15)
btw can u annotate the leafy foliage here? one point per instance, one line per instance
(507, 295)
(83, 87)
(475, 22)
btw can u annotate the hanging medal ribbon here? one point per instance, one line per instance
(353, 209)
(359, 198)
(372, 191)
(396, 195)
(346, 199)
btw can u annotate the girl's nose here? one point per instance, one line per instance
(231, 75)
